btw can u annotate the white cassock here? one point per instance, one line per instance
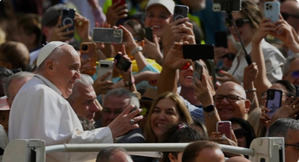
(39, 111)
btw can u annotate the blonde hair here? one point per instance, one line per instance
(180, 106)
(2, 36)
(251, 11)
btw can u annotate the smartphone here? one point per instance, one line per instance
(104, 67)
(273, 100)
(149, 34)
(221, 39)
(180, 11)
(88, 58)
(107, 35)
(122, 2)
(197, 70)
(122, 63)
(272, 10)
(198, 51)
(224, 127)
(226, 5)
(67, 17)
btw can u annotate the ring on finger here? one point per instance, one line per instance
(132, 121)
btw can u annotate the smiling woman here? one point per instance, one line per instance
(167, 110)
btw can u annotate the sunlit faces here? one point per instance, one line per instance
(293, 72)
(233, 101)
(292, 151)
(112, 107)
(186, 76)
(246, 30)
(85, 104)
(156, 18)
(164, 115)
(65, 69)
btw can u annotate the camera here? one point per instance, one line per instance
(107, 35)
(226, 5)
(68, 16)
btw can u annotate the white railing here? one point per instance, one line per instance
(265, 149)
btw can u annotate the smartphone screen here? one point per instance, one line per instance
(273, 100)
(224, 127)
(196, 52)
(180, 11)
(107, 35)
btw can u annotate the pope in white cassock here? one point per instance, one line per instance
(40, 110)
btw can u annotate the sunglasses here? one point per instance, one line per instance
(186, 66)
(286, 15)
(239, 22)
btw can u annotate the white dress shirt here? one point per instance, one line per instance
(273, 61)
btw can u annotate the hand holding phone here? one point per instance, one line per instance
(224, 127)
(273, 100)
(180, 11)
(88, 58)
(122, 63)
(272, 10)
(197, 72)
(67, 17)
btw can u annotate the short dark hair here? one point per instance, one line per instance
(281, 126)
(179, 134)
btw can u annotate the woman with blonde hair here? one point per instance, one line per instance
(167, 110)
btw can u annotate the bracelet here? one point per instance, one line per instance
(250, 90)
(135, 50)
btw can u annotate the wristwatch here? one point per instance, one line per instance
(209, 108)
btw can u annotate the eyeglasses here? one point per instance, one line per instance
(231, 98)
(239, 22)
(239, 133)
(286, 15)
(293, 145)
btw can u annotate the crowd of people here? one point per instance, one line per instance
(53, 86)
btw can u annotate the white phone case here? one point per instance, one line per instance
(272, 10)
(104, 67)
